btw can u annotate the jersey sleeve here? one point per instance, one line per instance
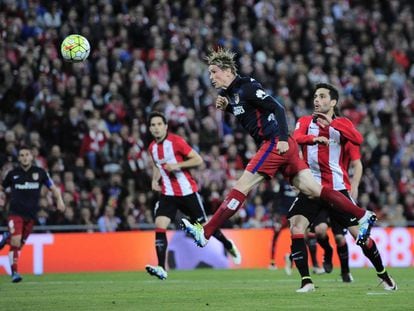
(348, 130)
(301, 132)
(182, 146)
(257, 96)
(353, 151)
(46, 179)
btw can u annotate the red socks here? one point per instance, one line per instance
(228, 208)
(340, 202)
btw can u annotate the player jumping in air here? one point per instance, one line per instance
(265, 120)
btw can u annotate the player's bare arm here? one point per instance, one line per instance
(156, 176)
(193, 160)
(58, 197)
(357, 168)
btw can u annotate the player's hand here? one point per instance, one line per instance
(282, 147)
(171, 167)
(221, 102)
(61, 206)
(322, 119)
(156, 186)
(321, 140)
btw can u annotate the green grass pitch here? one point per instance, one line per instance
(205, 289)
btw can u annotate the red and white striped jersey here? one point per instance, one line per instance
(327, 162)
(173, 149)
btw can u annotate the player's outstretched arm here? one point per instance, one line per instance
(300, 134)
(357, 168)
(193, 160)
(156, 176)
(58, 197)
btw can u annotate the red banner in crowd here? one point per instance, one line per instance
(131, 251)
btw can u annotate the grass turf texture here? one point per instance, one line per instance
(205, 289)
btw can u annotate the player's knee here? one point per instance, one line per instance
(307, 184)
(321, 230)
(298, 224)
(340, 240)
(277, 227)
(16, 243)
(297, 228)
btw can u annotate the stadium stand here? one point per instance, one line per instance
(87, 121)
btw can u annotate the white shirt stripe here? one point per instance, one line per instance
(169, 157)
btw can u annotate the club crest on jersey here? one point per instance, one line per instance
(261, 94)
(35, 176)
(236, 98)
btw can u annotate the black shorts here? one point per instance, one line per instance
(324, 216)
(318, 211)
(190, 205)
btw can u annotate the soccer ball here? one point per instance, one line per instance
(75, 48)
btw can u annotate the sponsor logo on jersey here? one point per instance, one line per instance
(233, 204)
(28, 186)
(237, 110)
(35, 176)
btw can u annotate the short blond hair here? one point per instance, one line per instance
(222, 58)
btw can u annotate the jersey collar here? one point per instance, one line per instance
(233, 83)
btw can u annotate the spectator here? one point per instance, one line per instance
(108, 222)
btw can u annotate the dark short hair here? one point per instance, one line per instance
(24, 147)
(157, 114)
(333, 92)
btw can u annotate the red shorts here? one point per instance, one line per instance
(268, 162)
(20, 226)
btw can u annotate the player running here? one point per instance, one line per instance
(25, 183)
(172, 158)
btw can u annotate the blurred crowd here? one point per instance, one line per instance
(87, 125)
